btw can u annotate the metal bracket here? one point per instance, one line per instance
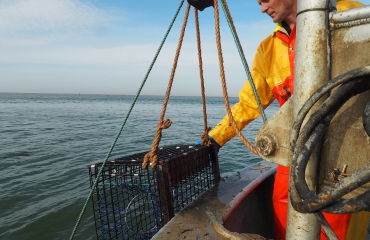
(272, 140)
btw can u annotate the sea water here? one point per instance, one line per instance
(47, 142)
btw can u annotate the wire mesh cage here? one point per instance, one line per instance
(132, 203)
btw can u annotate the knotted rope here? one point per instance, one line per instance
(223, 81)
(151, 157)
(204, 136)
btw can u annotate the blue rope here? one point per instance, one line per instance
(245, 64)
(124, 122)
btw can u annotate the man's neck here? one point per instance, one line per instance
(286, 27)
(291, 19)
(291, 25)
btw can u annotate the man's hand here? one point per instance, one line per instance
(201, 4)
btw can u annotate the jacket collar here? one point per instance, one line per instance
(280, 28)
(279, 25)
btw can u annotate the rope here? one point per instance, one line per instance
(242, 56)
(204, 136)
(124, 122)
(223, 81)
(151, 156)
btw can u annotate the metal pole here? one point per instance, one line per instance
(310, 73)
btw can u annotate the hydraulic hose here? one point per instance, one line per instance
(305, 140)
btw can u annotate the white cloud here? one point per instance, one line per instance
(51, 15)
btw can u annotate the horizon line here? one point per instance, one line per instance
(111, 94)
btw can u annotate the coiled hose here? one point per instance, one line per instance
(304, 141)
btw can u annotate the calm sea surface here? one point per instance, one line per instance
(47, 142)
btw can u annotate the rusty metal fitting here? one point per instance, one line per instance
(336, 174)
(266, 144)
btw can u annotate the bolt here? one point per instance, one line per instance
(266, 145)
(336, 173)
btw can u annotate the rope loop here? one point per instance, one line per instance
(165, 124)
(205, 137)
(150, 158)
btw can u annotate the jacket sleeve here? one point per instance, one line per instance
(246, 110)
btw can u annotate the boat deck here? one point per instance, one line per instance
(238, 204)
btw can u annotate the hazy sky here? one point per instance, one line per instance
(106, 46)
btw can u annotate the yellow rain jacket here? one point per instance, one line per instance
(272, 73)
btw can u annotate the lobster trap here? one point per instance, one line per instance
(132, 203)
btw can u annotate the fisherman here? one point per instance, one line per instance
(273, 76)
